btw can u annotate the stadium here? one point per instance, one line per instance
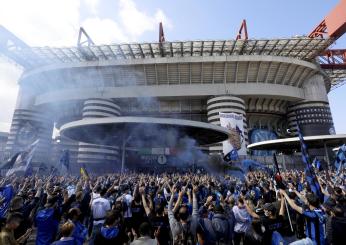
(274, 84)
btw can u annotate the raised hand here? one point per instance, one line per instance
(195, 189)
(141, 190)
(182, 191)
(209, 199)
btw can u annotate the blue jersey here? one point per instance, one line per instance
(66, 241)
(315, 226)
(47, 226)
(80, 233)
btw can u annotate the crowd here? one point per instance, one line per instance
(172, 208)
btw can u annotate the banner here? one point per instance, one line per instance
(23, 160)
(258, 135)
(236, 141)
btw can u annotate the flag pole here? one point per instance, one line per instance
(288, 212)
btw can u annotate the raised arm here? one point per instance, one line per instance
(144, 201)
(250, 211)
(189, 196)
(135, 192)
(173, 223)
(194, 201)
(291, 202)
(282, 206)
(180, 199)
(300, 196)
(324, 192)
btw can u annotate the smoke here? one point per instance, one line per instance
(181, 150)
(184, 149)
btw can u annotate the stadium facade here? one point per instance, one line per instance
(273, 83)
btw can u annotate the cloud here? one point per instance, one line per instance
(42, 22)
(38, 23)
(93, 6)
(136, 22)
(132, 24)
(56, 23)
(104, 31)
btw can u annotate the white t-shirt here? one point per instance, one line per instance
(100, 206)
(128, 200)
(242, 219)
(144, 241)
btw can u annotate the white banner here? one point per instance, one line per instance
(236, 141)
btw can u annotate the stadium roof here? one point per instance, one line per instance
(303, 48)
(316, 141)
(112, 130)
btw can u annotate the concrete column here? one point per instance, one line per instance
(99, 158)
(313, 113)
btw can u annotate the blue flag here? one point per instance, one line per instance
(231, 156)
(9, 163)
(23, 161)
(316, 163)
(309, 171)
(340, 160)
(65, 161)
(6, 194)
(276, 165)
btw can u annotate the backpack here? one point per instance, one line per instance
(185, 237)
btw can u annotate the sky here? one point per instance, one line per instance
(56, 23)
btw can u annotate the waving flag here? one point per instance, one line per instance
(276, 165)
(309, 171)
(340, 160)
(23, 161)
(277, 175)
(65, 161)
(9, 163)
(231, 156)
(84, 173)
(316, 163)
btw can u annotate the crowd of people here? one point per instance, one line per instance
(173, 208)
